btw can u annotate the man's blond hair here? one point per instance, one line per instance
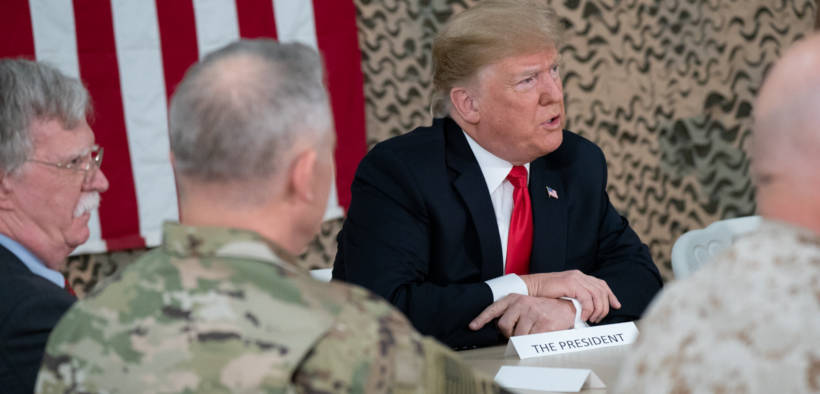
(484, 34)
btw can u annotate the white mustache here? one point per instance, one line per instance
(88, 202)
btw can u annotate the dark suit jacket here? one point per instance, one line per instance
(30, 306)
(421, 231)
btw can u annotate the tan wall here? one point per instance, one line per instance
(664, 87)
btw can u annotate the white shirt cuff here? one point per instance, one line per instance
(507, 284)
(578, 322)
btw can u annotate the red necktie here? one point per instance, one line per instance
(519, 241)
(69, 289)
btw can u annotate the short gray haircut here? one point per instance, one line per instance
(32, 91)
(238, 112)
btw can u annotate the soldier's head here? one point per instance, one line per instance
(252, 141)
(50, 179)
(786, 138)
(496, 74)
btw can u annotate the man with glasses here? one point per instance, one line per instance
(50, 182)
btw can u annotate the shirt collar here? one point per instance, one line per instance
(494, 168)
(205, 241)
(35, 265)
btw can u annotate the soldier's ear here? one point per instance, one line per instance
(301, 174)
(465, 104)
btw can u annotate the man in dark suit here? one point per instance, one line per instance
(50, 183)
(495, 211)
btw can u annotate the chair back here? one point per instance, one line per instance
(696, 247)
(322, 274)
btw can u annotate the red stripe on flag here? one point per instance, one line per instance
(97, 54)
(177, 35)
(15, 28)
(338, 41)
(256, 18)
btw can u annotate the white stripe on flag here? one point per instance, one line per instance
(295, 22)
(55, 39)
(55, 42)
(136, 34)
(333, 209)
(216, 24)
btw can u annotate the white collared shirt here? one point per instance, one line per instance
(495, 171)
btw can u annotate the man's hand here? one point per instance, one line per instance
(522, 315)
(593, 293)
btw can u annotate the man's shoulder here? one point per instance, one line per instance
(757, 280)
(194, 308)
(326, 333)
(21, 289)
(580, 142)
(372, 347)
(750, 300)
(575, 148)
(419, 142)
(407, 161)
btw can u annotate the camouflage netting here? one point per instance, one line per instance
(665, 88)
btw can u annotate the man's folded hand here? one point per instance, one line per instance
(594, 294)
(521, 315)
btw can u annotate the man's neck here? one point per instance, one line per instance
(794, 205)
(272, 223)
(34, 240)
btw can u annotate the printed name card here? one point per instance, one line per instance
(548, 379)
(569, 341)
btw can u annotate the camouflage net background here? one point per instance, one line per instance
(664, 87)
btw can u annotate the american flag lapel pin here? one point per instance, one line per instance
(551, 193)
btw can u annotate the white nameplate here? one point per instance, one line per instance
(548, 379)
(569, 341)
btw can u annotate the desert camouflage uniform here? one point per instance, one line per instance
(746, 322)
(215, 310)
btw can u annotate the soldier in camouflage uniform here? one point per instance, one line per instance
(221, 306)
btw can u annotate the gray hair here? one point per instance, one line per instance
(32, 91)
(238, 112)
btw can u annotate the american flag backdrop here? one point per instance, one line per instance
(132, 53)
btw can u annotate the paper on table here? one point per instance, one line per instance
(548, 379)
(575, 340)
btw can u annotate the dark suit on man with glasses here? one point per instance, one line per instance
(32, 305)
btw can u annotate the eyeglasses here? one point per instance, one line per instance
(87, 163)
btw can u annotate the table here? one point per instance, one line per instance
(604, 362)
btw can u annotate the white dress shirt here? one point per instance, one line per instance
(495, 171)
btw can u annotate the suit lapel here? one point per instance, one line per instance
(549, 215)
(11, 264)
(470, 185)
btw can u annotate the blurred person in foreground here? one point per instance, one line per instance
(495, 211)
(221, 305)
(748, 321)
(50, 181)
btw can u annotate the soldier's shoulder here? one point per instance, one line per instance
(371, 346)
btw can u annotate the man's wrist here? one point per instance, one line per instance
(576, 306)
(506, 285)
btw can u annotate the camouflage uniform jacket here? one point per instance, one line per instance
(746, 322)
(215, 310)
